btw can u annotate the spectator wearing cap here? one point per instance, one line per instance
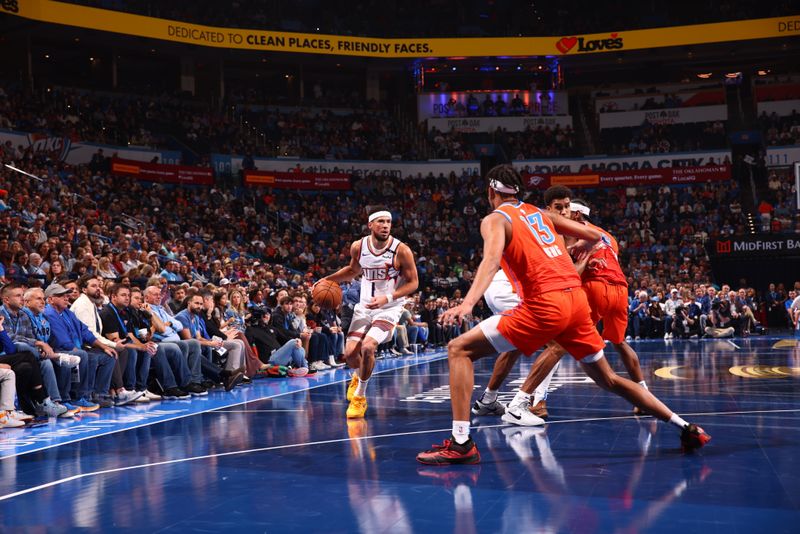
(28, 382)
(68, 334)
(20, 328)
(673, 302)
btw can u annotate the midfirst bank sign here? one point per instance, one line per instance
(781, 246)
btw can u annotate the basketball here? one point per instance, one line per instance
(327, 294)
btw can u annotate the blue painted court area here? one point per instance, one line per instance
(291, 462)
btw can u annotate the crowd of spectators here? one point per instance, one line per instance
(543, 142)
(115, 119)
(365, 133)
(319, 134)
(664, 138)
(695, 311)
(778, 206)
(780, 131)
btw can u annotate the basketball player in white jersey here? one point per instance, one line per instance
(500, 297)
(388, 275)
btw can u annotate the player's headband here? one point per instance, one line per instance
(580, 208)
(379, 214)
(500, 187)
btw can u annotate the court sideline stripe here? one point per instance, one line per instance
(328, 442)
(181, 416)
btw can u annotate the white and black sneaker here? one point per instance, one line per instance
(520, 414)
(492, 408)
(333, 363)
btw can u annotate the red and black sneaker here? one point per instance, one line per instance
(450, 452)
(693, 437)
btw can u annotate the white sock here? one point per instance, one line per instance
(361, 388)
(644, 385)
(489, 396)
(678, 421)
(521, 397)
(540, 392)
(461, 431)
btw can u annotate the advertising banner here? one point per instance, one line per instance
(77, 152)
(395, 169)
(344, 45)
(758, 246)
(642, 177)
(490, 124)
(156, 172)
(594, 164)
(298, 180)
(625, 119)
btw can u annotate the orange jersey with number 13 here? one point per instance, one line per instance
(536, 259)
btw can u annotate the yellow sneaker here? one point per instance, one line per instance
(351, 388)
(357, 408)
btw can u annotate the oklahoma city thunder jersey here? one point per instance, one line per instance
(608, 251)
(379, 271)
(536, 258)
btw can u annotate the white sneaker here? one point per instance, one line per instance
(126, 397)
(152, 396)
(50, 408)
(68, 361)
(318, 366)
(7, 421)
(143, 399)
(333, 363)
(21, 416)
(69, 414)
(520, 414)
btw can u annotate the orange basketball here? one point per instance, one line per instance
(327, 294)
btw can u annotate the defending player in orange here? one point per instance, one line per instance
(388, 275)
(607, 292)
(554, 307)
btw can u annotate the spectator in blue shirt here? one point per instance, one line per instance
(68, 334)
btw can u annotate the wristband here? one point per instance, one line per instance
(389, 298)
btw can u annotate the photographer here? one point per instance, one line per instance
(722, 319)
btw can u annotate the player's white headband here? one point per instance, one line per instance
(379, 214)
(580, 208)
(500, 187)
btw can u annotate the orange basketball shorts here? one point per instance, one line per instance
(608, 302)
(562, 316)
